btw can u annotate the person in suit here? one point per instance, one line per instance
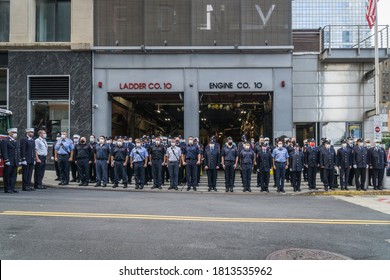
(212, 159)
(328, 163)
(296, 167)
(10, 152)
(378, 163)
(247, 158)
(345, 162)
(264, 165)
(351, 146)
(360, 164)
(27, 152)
(312, 162)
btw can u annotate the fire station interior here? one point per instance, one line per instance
(235, 114)
(222, 115)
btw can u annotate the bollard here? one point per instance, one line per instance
(386, 180)
(367, 180)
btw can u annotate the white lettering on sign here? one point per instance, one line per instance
(145, 86)
(261, 14)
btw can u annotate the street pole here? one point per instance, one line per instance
(377, 109)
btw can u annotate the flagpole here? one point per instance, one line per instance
(377, 109)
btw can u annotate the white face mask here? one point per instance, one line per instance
(101, 141)
(266, 142)
(344, 145)
(361, 144)
(138, 144)
(280, 145)
(15, 135)
(190, 142)
(246, 147)
(212, 146)
(63, 136)
(44, 136)
(58, 138)
(120, 144)
(92, 140)
(327, 146)
(109, 141)
(76, 140)
(157, 142)
(173, 144)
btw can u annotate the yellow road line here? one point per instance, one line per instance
(194, 218)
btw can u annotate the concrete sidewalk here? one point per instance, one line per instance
(49, 181)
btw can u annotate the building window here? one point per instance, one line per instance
(4, 20)
(3, 88)
(53, 19)
(49, 104)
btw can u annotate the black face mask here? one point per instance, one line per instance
(230, 143)
(82, 142)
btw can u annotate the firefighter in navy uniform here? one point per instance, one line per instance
(312, 162)
(201, 150)
(156, 160)
(110, 168)
(27, 153)
(304, 147)
(229, 161)
(128, 143)
(73, 165)
(360, 164)
(328, 163)
(351, 147)
(191, 160)
(10, 152)
(247, 158)
(264, 165)
(296, 167)
(212, 158)
(345, 162)
(290, 148)
(119, 158)
(83, 158)
(378, 163)
(138, 161)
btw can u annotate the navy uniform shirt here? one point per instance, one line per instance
(360, 157)
(296, 161)
(229, 153)
(264, 160)
(191, 152)
(10, 151)
(312, 156)
(328, 158)
(102, 151)
(378, 158)
(157, 152)
(344, 157)
(119, 153)
(83, 151)
(27, 149)
(247, 156)
(212, 157)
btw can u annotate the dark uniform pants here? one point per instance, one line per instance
(101, 171)
(39, 172)
(120, 172)
(264, 180)
(296, 180)
(212, 178)
(92, 171)
(130, 172)
(27, 171)
(377, 177)
(9, 177)
(350, 177)
(328, 178)
(360, 178)
(192, 173)
(56, 167)
(173, 167)
(83, 170)
(63, 165)
(312, 177)
(157, 172)
(280, 175)
(73, 170)
(344, 175)
(139, 173)
(246, 175)
(229, 174)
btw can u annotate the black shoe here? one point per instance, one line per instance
(32, 189)
(73, 180)
(154, 187)
(227, 190)
(104, 185)
(60, 184)
(65, 183)
(115, 186)
(141, 187)
(7, 191)
(26, 189)
(231, 190)
(283, 191)
(209, 190)
(44, 187)
(15, 191)
(261, 190)
(215, 189)
(170, 188)
(346, 189)
(98, 185)
(125, 186)
(249, 190)
(194, 188)
(332, 189)
(244, 190)
(81, 184)
(136, 187)
(299, 190)
(176, 188)
(85, 184)
(160, 188)
(188, 188)
(267, 191)
(57, 179)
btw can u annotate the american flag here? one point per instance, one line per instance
(371, 11)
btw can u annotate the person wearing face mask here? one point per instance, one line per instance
(73, 165)
(83, 155)
(119, 158)
(312, 162)
(378, 164)
(130, 146)
(101, 159)
(328, 163)
(296, 165)
(360, 164)
(304, 147)
(92, 166)
(156, 160)
(182, 178)
(191, 160)
(139, 161)
(264, 165)
(280, 163)
(64, 154)
(41, 150)
(56, 167)
(289, 148)
(110, 168)
(229, 161)
(368, 147)
(345, 162)
(10, 152)
(247, 157)
(172, 160)
(351, 147)
(27, 152)
(199, 168)
(212, 158)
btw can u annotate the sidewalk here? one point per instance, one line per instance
(50, 182)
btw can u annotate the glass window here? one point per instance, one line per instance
(53, 116)
(53, 21)
(3, 88)
(335, 131)
(4, 20)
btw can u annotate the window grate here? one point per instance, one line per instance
(55, 88)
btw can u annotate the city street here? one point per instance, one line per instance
(85, 224)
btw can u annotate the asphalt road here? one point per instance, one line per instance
(44, 225)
